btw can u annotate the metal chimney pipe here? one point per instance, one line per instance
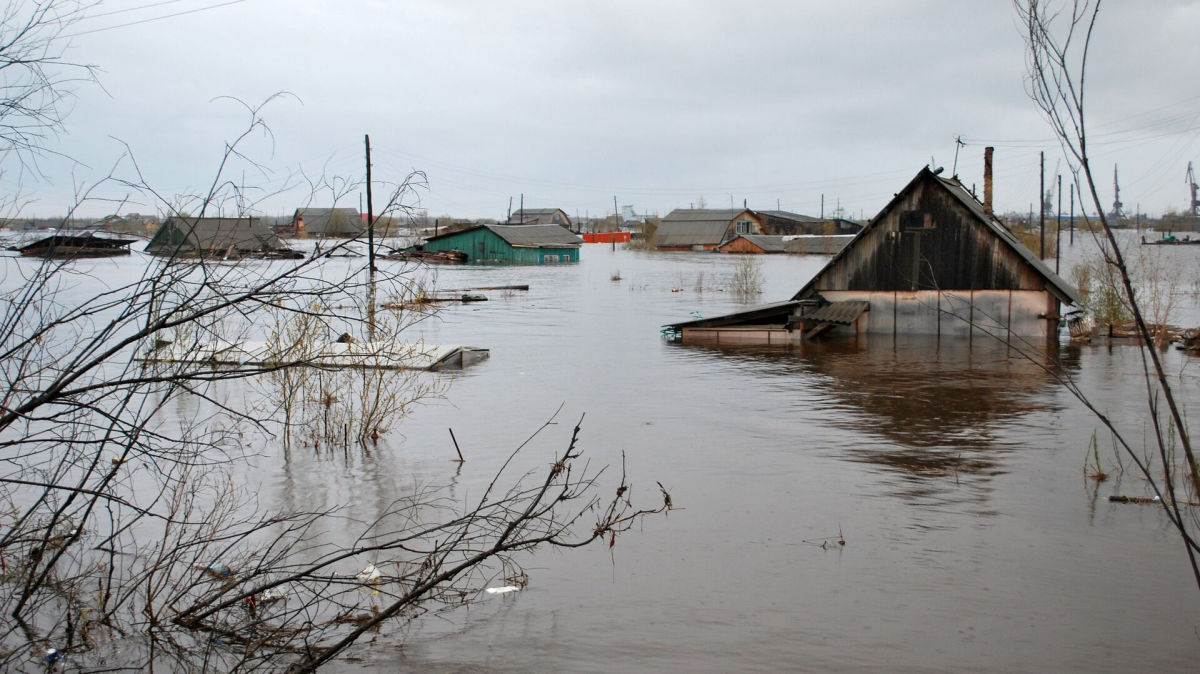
(987, 179)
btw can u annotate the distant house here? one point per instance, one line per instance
(132, 223)
(215, 237)
(932, 262)
(786, 223)
(754, 244)
(333, 223)
(510, 244)
(540, 216)
(704, 228)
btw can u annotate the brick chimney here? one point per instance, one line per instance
(987, 179)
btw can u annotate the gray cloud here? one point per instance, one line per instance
(658, 103)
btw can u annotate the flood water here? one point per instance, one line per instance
(952, 471)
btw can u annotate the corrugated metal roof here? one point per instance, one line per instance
(842, 313)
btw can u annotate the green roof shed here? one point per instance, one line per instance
(511, 244)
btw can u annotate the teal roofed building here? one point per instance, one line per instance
(511, 244)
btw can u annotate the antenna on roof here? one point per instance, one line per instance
(958, 143)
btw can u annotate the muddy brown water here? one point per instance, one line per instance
(953, 472)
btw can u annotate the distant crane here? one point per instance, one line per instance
(1117, 205)
(1191, 181)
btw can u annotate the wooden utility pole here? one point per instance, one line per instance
(1072, 214)
(370, 213)
(1042, 207)
(1058, 229)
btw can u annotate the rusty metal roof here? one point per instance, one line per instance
(842, 313)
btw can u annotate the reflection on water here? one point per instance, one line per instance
(922, 410)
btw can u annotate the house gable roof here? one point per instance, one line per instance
(1055, 284)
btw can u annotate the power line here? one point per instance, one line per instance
(155, 18)
(131, 9)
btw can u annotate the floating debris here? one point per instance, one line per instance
(375, 355)
(216, 569)
(504, 589)
(369, 574)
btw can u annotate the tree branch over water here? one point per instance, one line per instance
(129, 534)
(1058, 36)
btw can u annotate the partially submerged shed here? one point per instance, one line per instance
(932, 262)
(216, 237)
(70, 246)
(510, 244)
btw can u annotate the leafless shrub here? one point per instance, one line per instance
(1058, 36)
(127, 538)
(746, 280)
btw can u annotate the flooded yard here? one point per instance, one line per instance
(897, 505)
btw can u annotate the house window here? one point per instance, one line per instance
(915, 220)
(550, 259)
(745, 227)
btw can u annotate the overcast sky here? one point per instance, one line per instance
(660, 104)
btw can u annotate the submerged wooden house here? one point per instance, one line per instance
(321, 223)
(934, 261)
(216, 237)
(510, 244)
(704, 228)
(70, 246)
(539, 216)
